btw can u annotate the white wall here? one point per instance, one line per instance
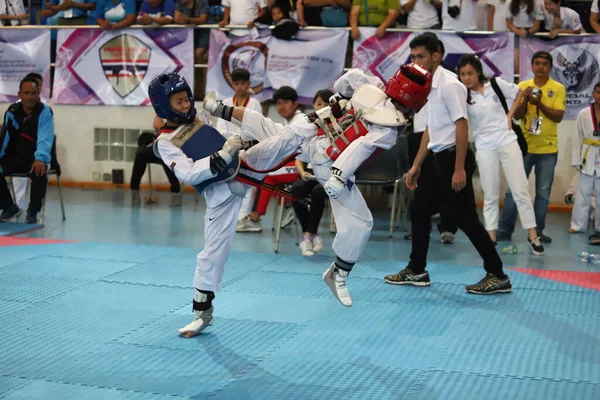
(74, 127)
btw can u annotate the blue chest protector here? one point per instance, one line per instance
(197, 141)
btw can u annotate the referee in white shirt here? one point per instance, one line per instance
(450, 182)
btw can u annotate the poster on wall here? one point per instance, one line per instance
(575, 65)
(95, 67)
(309, 63)
(383, 57)
(23, 51)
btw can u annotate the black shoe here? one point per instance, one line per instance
(502, 236)
(491, 284)
(407, 277)
(408, 236)
(10, 213)
(544, 238)
(536, 246)
(594, 239)
(31, 218)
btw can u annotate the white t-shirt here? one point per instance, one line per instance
(569, 19)
(524, 20)
(243, 11)
(422, 16)
(465, 21)
(298, 115)
(447, 104)
(594, 7)
(487, 118)
(500, 14)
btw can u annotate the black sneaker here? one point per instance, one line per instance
(544, 238)
(594, 239)
(408, 236)
(31, 218)
(502, 236)
(490, 284)
(10, 213)
(407, 277)
(536, 246)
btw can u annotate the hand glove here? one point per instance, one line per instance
(334, 186)
(233, 144)
(219, 161)
(336, 98)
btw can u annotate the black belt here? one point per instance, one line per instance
(450, 149)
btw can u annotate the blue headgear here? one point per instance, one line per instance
(161, 88)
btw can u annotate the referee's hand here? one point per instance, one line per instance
(459, 180)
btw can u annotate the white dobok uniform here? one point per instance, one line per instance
(352, 216)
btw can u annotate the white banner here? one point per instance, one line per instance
(309, 63)
(23, 51)
(97, 67)
(383, 57)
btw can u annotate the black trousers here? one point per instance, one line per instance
(448, 221)
(145, 156)
(435, 189)
(309, 219)
(12, 164)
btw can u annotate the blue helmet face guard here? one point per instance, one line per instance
(160, 90)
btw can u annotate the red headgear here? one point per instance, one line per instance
(410, 86)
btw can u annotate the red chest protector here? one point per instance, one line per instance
(342, 132)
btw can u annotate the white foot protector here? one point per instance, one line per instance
(335, 278)
(202, 321)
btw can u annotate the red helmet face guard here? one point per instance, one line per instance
(410, 86)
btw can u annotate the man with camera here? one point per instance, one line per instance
(541, 110)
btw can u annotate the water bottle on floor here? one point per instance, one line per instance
(512, 249)
(589, 257)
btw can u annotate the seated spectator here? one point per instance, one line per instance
(13, 13)
(156, 12)
(115, 14)
(307, 186)
(422, 14)
(286, 99)
(74, 12)
(144, 156)
(380, 13)
(559, 19)
(25, 147)
(242, 12)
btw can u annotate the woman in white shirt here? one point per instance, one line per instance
(496, 15)
(496, 144)
(523, 17)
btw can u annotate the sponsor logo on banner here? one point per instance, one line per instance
(251, 56)
(125, 62)
(577, 70)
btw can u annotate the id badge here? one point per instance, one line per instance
(535, 128)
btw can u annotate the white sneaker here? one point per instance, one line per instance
(307, 248)
(202, 321)
(288, 217)
(317, 244)
(247, 225)
(335, 278)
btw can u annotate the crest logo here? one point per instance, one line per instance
(577, 69)
(125, 61)
(251, 56)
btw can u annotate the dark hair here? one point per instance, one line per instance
(285, 93)
(35, 75)
(475, 62)
(597, 86)
(324, 95)
(428, 40)
(240, 74)
(515, 5)
(284, 10)
(28, 79)
(542, 54)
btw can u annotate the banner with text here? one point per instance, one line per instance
(309, 63)
(95, 67)
(383, 57)
(23, 51)
(575, 65)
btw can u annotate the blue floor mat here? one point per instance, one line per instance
(99, 321)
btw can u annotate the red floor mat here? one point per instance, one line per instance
(14, 241)
(590, 280)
